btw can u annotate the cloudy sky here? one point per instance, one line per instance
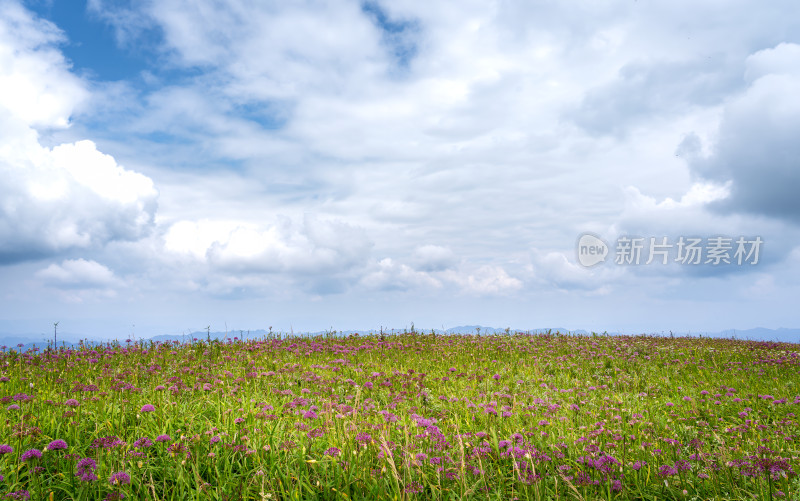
(169, 165)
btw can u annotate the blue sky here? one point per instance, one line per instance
(340, 164)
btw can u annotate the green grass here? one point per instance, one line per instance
(407, 416)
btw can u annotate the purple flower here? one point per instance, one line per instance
(119, 478)
(31, 454)
(56, 445)
(6, 449)
(333, 452)
(412, 488)
(86, 467)
(667, 471)
(12, 407)
(87, 476)
(18, 495)
(163, 438)
(72, 403)
(143, 443)
(108, 442)
(148, 408)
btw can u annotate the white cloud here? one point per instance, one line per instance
(36, 83)
(783, 59)
(390, 275)
(433, 258)
(314, 247)
(554, 270)
(699, 194)
(486, 280)
(756, 149)
(69, 196)
(78, 274)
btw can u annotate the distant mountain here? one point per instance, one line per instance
(762, 334)
(13, 341)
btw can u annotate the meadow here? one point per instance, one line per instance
(403, 416)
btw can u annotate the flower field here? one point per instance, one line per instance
(403, 416)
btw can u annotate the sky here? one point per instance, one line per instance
(168, 166)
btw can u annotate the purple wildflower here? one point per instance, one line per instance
(18, 495)
(56, 445)
(31, 454)
(6, 449)
(119, 478)
(332, 451)
(412, 488)
(364, 438)
(85, 470)
(148, 408)
(310, 415)
(143, 443)
(163, 438)
(72, 403)
(667, 471)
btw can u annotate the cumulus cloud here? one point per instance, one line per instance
(38, 87)
(70, 196)
(433, 258)
(655, 88)
(78, 274)
(486, 280)
(756, 148)
(313, 247)
(391, 275)
(550, 270)
(693, 216)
